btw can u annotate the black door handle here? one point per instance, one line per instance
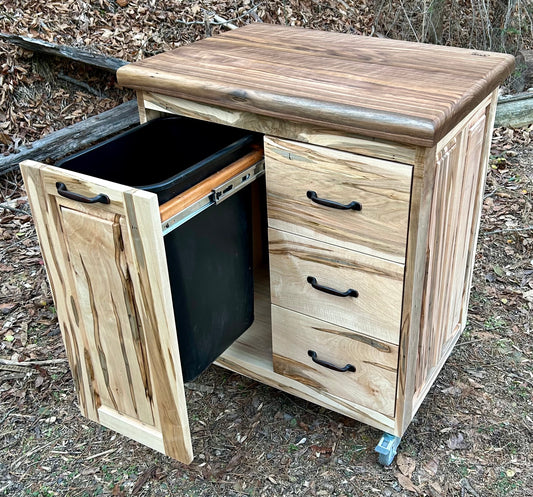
(348, 293)
(328, 365)
(78, 197)
(356, 206)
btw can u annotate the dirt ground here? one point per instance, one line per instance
(473, 435)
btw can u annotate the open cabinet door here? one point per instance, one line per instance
(107, 269)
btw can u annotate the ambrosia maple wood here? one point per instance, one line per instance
(417, 122)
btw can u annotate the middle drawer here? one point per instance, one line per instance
(300, 268)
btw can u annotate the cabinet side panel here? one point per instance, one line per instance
(455, 212)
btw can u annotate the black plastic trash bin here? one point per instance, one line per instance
(210, 256)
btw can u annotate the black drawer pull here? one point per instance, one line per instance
(348, 293)
(328, 365)
(356, 206)
(78, 197)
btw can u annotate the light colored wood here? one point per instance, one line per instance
(376, 312)
(145, 114)
(383, 189)
(445, 209)
(91, 242)
(145, 434)
(205, 187)
(478, 206)
(415, 274)
(373, 384)
(386, 89)
(107, 270)
(251, 356)
(282, 128)
(454, 217)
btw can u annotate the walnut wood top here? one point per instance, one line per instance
(395, 90)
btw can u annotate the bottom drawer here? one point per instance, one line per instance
(371, 379)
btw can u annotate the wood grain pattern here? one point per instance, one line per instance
(251, 355)
(383, 189)
(205, 187)
(107, 270)
(146, 114)
(441, 241)
(454, 214)
(376, 312)
(387, 89)
(373, 384)
(282, 128)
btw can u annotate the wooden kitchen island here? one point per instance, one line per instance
(375, 153)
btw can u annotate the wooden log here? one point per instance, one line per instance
(515, 110)
(99, 60)
(74, 137)
(523, 74)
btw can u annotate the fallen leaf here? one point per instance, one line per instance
(8, 307)
(117, 492)
(406, 483)
(452, 390)
(475, 384)
(406, 465)
(321, 450)
(528, 295)
(457, 442)
(122, 3)
(431, 467)
(436, 487)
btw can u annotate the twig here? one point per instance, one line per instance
(490, 194)
(94, 456)
(50, 362)
(222, 20)
(469, 342)
(409, 21)
(81, 84)
(509, 230)
(7, 415)
(13, 209)
(147, 475)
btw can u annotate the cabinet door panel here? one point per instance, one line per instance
(107, 270)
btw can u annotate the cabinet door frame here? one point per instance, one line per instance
(130, 226)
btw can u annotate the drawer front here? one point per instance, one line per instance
(375, 311)
(294, 170)
(372, 384)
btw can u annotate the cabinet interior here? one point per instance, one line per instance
(254, 347)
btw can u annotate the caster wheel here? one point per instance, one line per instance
(386, 448)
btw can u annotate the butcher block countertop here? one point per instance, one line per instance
(394, 90)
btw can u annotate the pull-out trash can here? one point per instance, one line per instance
(209, 257)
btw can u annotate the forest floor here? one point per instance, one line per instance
(473, 435)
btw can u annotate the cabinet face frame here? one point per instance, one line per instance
(424, 162)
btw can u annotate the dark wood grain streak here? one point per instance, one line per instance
(388, 89)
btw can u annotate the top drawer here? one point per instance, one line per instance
(305, 183)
